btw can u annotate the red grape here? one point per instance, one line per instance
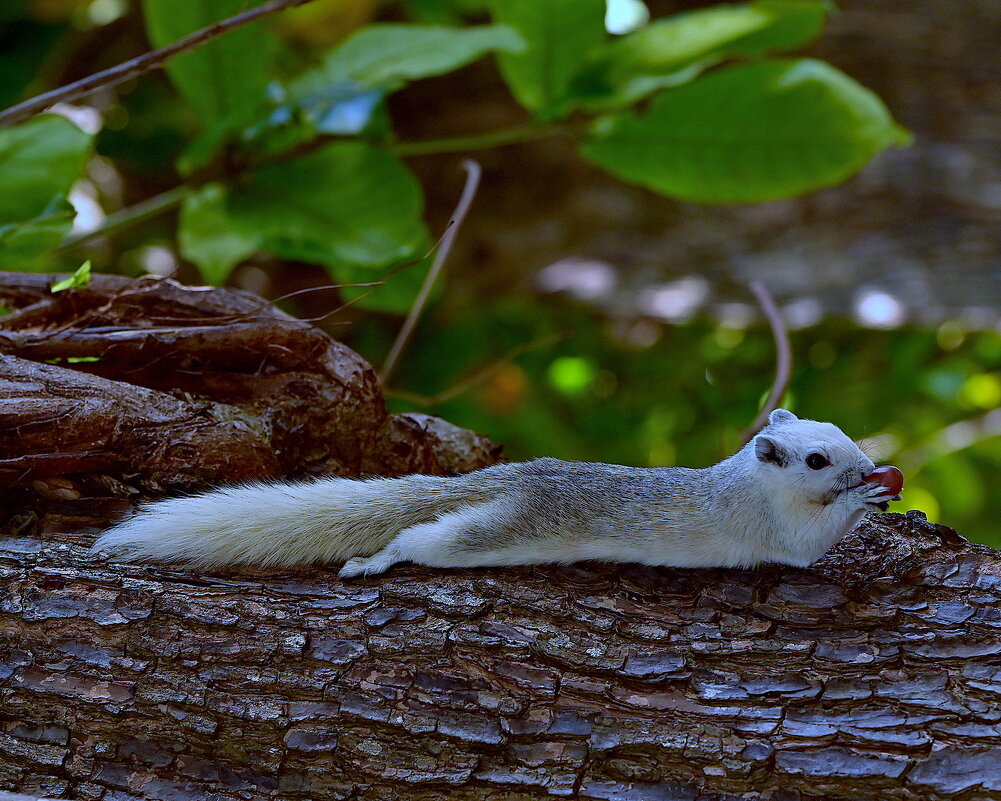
(887, 476)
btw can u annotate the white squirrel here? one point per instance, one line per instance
(787, 496)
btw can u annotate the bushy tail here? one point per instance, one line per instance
(329, 519)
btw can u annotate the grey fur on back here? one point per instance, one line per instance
(580, 500)
(332, 519)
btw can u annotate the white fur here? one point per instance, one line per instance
(277, 523)
(762, 504)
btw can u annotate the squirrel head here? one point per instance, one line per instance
(809, 461)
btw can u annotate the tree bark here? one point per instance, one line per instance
(128, 389)
(876, 673)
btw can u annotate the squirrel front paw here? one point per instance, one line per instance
(877, 495)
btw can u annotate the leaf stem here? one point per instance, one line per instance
(483, 141)
(143, 210)
(479, 376)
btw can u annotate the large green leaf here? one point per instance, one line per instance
(342, 95)
(745, 28)
(39, 162)
(207, 237)
(560, 35)
(387, 56)
(788, 24)
(347, 206)
(347, 203)
(748, 133)
(676, 49)
(224, 79)
(22, 243)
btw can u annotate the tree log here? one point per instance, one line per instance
(128, 389)
(876, 673)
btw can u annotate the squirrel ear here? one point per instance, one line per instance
(781, 416)
(769, 451)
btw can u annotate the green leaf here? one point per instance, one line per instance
(345, 95)
(348, 206)
(79, 278)
(206, 235)
(342, 109)
(746, 29)
(748, 133)
(560, 35)
(224, 79)
(675, 50)
(40, 161)
(347, 203)
(21, 244)
(388, 56)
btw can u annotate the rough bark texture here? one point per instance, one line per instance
(126, 388)
(874, 674)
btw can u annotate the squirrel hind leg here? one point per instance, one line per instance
(466, 537)
(369, 566)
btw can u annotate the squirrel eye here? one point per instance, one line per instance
(817, 461)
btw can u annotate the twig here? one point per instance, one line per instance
(480, 141)
(478, 376)
(473, 172)
(137, 212)
(783, 358)
(172, 197)
(141, 64)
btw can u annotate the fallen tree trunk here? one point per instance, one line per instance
(874, 674)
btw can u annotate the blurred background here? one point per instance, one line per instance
(588, 318)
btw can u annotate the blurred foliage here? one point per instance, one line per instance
(263, 164)
(278, 143)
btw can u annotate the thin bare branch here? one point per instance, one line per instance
(473, 172)
(141, 64)
(783, 358)
(478, 376)
(143, 210)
